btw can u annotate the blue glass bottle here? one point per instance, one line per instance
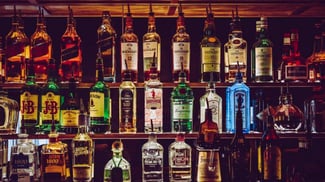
(238, 89)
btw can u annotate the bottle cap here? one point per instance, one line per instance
(117, 146)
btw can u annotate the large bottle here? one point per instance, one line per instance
(117, 168)
(181, 48)
(99, 101)
(50, 100)
(107, 43)
(129, 49)
(210, 51)
(41, 49)
(151, 45)
(71, 53)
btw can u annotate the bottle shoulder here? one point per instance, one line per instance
(129, 37)
(151, 37)
(127, 85)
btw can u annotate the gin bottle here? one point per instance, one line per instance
(10, 113)
(107, 44)
(180, 160)
(233, 92)
(151, 45)
(100, 103)
(152, 160)
(117, 168)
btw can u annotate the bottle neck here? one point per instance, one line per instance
(151, 24)
(209, 28)
(99, 72)
(129, 25)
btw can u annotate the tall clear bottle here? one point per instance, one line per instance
(262, 55)
(71, 53)
(129, 49)
(106, 42)
(41, 48)
(181, 48)
(100, 101)
(210, 51)
(153, 101)
(117, 168)
(151, 45)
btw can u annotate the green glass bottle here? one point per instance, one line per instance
(99, 101)
(50, 100)
(29, 101)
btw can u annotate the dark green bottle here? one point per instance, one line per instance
(99, 101)
(50, 100)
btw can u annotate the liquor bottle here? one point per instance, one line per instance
(151, 45)
(10, 113)
(29, 101)
(180, 160)
(100, 102)
(239, 150)
(54, 159)
(152, 160)
(50, 99)
(117, 168)
(107, 44)
(71, 53)
(26, 40)
(2, 64)
(24, 161)
(225, 49)
(262, 55)
(321, 55)
(215, 103)
(313, 59)
(181, 48)
(153, 101)
(15, 46)
(233, 92)
(257, 105)
(41, 49)
(127, 103)
(210, 51)
(182, 99)
(70, 109)
(82, 154)
(129, 48)
(286, 50)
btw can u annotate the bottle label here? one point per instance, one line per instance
(153, 107)
(237, 54)
(20, 161)
(182, 111)
(106, 46)
(50, 106)
(29, 106)
(129, 52)
(127, 105)
(209, 166)
(69, 53)
(272, 163)
(296, 72)
(97, 104)
(181, 157)
(210, 59)
(15, 50)
(243, 96)
(82, 152)
(263, 61)
(152, 163)
(54, 163)
(214, 106)
(149, 48)
(39, 50)
(70, 118)
(181, 54)
(108, 173)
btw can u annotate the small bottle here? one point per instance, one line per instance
(50, 100)
(129, 48)
(100, 101)
(181, 48)
(286, 51)
(151, 45)
(313, 59)
(71, 53)
(10, 113)
(180, 160)
(117, 168)
(29, 101)
(107, 44)
(210, 51)
(41, 49)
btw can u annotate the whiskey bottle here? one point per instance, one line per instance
(50, 100)
(151, 45)
(29, 101)
(41, 49)
(129, 49)
(70, 109)
(210, 51)
(26, 40)
(2, 63)
(71, 53)
(262, 55)
(153, 101)
(286, 50)
(182, 99)
(152, 160)
(215, 103)
(127, 104)
(233, 92)
(10, 113)
(100, 101)
(107, 44)
(180, 160)
(313, 59)
(117, 168)
(181, 48)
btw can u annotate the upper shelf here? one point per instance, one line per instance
(167, 8)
